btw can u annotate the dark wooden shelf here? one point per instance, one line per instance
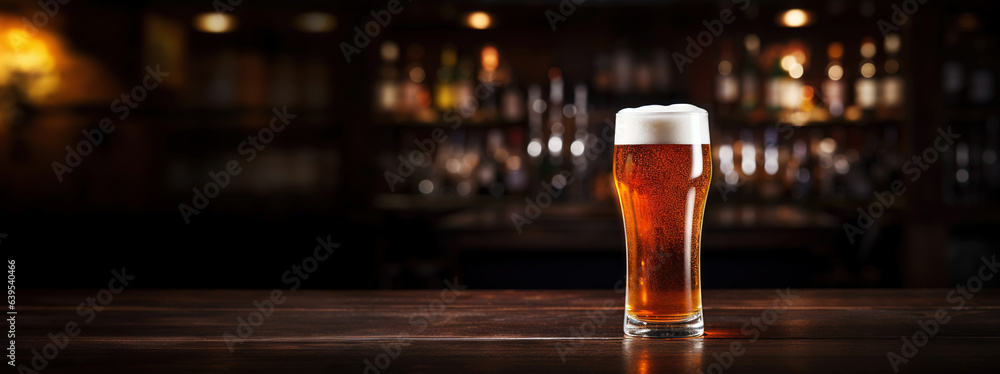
(466, 124)
(730, 122)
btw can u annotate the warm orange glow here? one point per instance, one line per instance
(835, 50)
(807, 92)
(31, 59)
(490, 58)
(800, 57)
(868, 48)
(40, 66)
(853, 113)
(788, 61)
(794, 18)
(423, 99)
(478, 20)
(30, 54)
(214, 22)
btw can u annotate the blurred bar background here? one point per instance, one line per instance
(417, 151)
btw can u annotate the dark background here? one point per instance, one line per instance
(324, 175)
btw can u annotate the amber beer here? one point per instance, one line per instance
(662, 169)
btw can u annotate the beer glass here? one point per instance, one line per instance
(662, 171)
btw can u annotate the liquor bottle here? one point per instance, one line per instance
(892, 90)
(452, 157)
(516, 177)
(622, 69)
(823, 174)
(770, 187)
(833, 87)
(316, 88)
(952, 70)
(494, 156)
(581, 124)
(662, 70)
(416, 101)
(557, 128)
(790, 87)
(773, 89)
(466, 103)
(976, 184)
(727, 90)
(489, 78)
(951, 176)
(221, 89)
(749, 75)
(727, 173)
(470, 161)
(444, 89)
(536, 109)
(965, 173)
(512, 102)
(748, 162)
(642, 75)
(982, 78)
(800, 178)
(991, 168)
(866, 87)
(603, 74)
(387, 92)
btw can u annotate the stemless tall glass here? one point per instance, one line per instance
(662, 171)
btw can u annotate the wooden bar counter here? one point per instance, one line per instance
(488, 331)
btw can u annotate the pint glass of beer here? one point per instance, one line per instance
(663, 167)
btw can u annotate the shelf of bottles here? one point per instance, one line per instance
(839, 129)
(468, 128)
(808, 122)
(969, 67)
(793, 119)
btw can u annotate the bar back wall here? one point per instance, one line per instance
(397, 144)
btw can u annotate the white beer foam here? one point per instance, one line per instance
(659, 124)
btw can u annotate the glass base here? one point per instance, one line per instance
(681, 329)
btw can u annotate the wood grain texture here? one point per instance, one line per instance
(505, 331)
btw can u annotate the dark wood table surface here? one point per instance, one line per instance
(557, 331)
